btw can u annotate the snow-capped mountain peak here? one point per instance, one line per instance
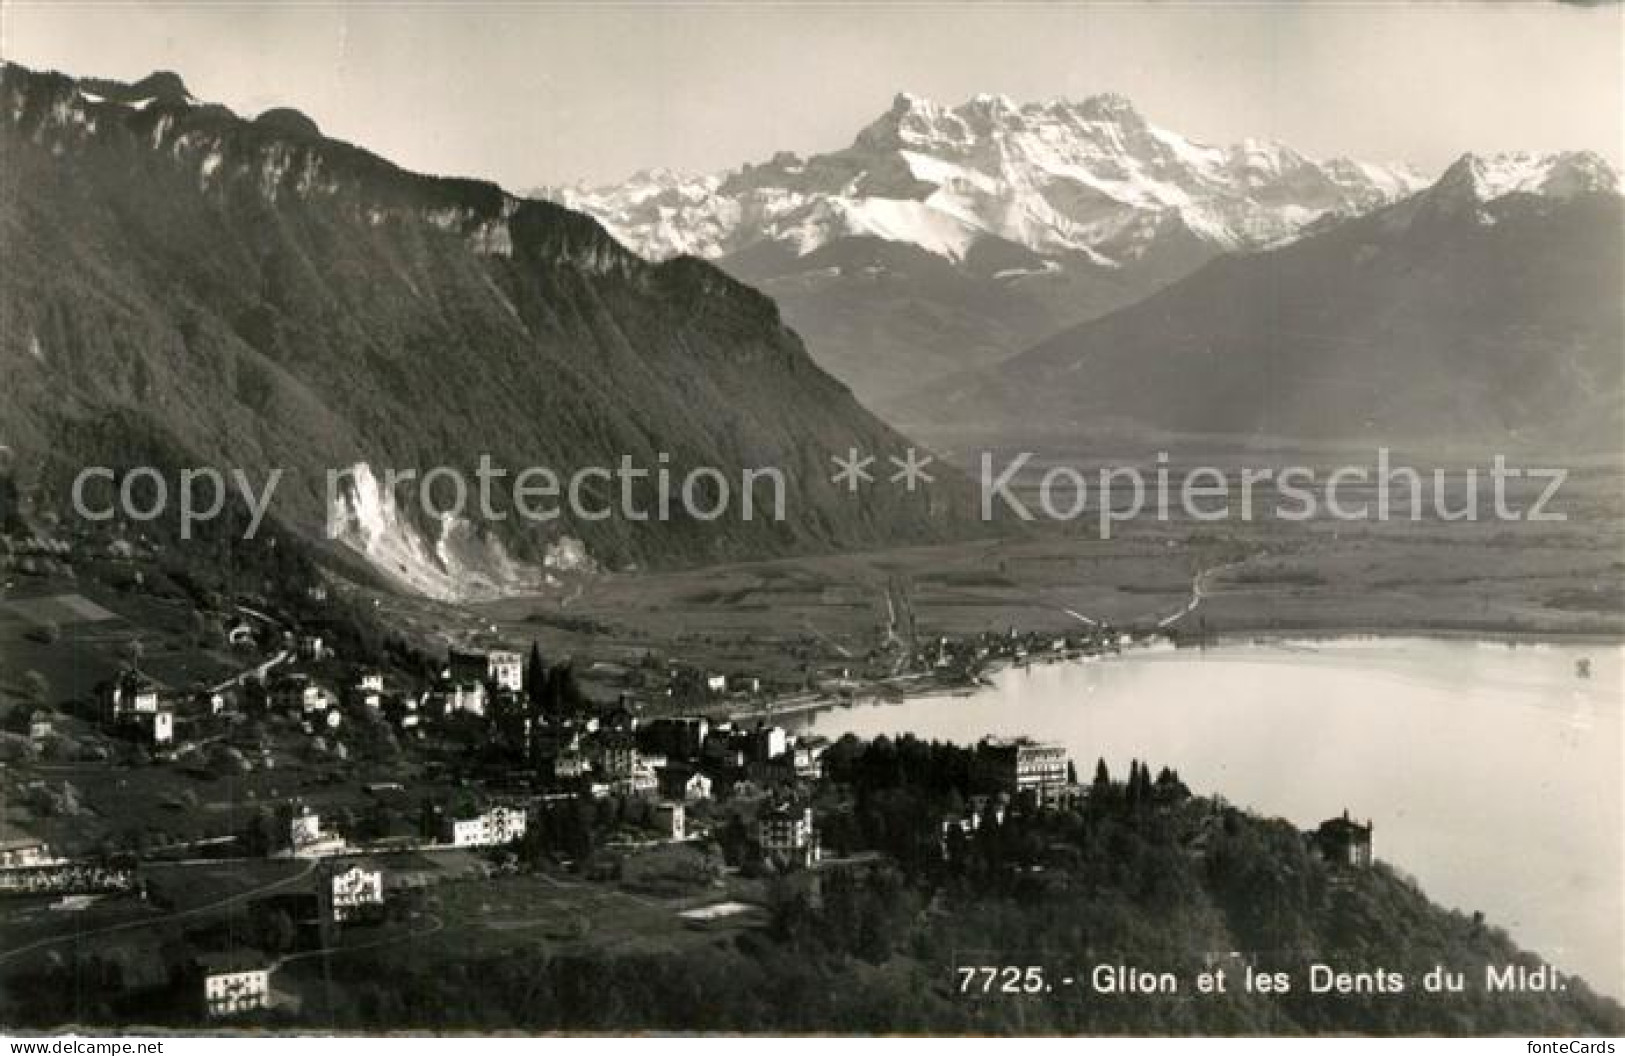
(1560, 175)
(1475, 185)
(1091, 180)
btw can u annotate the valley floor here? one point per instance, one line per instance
(831, 613)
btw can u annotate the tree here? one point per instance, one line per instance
(1131, 791)
(793, 920)
(561, 694)
(36, 688)
(199, 626)
(267, 833)
(274, 931)
(380, 822)
(429, 816)
(535, 675)
(374, 738)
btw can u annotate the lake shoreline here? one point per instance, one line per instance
(895, 693)
(1304, 727)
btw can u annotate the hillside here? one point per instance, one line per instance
(946, 238)
(1484, 310)
(186, 287)
(1137, 874)
(879, 952)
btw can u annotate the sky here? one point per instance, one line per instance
(533, 94)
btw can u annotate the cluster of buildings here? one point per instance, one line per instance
(296, 693)
(498, 668)
(24, 852)
(238, 982)
(471, 684)
(134, 706)
(496, 826)
(69, 878)
(961, 656)
(1016, 770)
(677, 761)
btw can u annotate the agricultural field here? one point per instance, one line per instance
(77, 632)
(781, 617)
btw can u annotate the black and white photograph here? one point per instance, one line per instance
(848, 519)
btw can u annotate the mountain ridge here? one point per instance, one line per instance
(1482, 310)
(919, 149)
(190, 287)
(1087, 205)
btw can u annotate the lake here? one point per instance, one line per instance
(1492, 772)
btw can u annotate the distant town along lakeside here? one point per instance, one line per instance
(352, 831)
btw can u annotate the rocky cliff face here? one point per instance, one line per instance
(186, 287)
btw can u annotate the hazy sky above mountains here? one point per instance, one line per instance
(529, 94)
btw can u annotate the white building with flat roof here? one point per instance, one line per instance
(494, 828)
(786, 835)
(235, 983)
(356, 892)
(499, 667)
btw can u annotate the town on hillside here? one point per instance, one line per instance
(328, 793)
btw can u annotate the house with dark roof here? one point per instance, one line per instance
(1343, 842)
